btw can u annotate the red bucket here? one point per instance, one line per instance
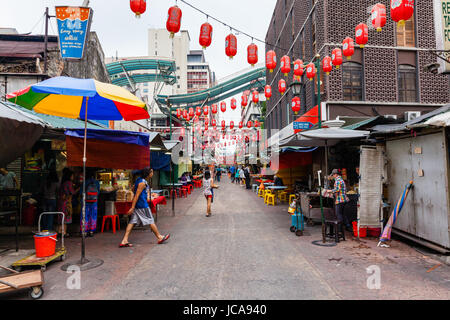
(362, 231)
(45, 244)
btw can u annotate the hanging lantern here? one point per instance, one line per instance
(361, 34)
(256, 123)
(348, 47)
(336, 57)
(179, 113)
(271, 60)
(223, 106)
(205, 110)
(378, 16)
(206, 127)
(268, 92)
(188, 118)
(138, 7)
(231, 45)
(249, 124)
(296, 105)
(402, 10)
(198, 111)
(310, 71)
(241, 125)
(205, 35)
(231, 125)
(223, 124)
(255, 97)
(173, 24)
(244, 101)
(252, 54)
(213, 122)
(214, 109)
(206, 121)
(326, 65)
(298, 69)
(233, 103)
(196, 119)
(285, 65)
(282, 86)
(191, 112)
(185, 114)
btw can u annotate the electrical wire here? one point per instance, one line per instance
(229, 26)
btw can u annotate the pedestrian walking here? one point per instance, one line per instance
(208, 186)
(237, 176)
(92, 192)
(66, 191)
(218, 174)
(140, 210)
(232, 173)
(242, 176)
(247, 177)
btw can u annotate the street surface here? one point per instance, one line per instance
(243, 251)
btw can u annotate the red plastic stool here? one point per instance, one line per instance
(190, 188)
(184, 192)
(173, 193)
(114, 219)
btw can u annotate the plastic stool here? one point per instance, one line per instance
(183, 192)
(261, 193)
(270, 199)
(173, 193)
(114, 219)
(282, 196)
(266, 193)
(166, 193)
(292, 198)
(191, 188)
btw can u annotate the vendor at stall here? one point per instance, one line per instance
(278, 182)
(8, 179)
(341, 198)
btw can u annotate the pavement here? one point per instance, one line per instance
(245, 250)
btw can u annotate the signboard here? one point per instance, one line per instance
(442, 28)
(307, 120)
(302, 125)
(73, 28)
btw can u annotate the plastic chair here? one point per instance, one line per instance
(255, 187)
(283, 196)
(166, 193)
(114, 219)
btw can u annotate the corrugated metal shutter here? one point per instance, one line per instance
(370, 186)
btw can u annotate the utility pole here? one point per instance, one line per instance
(47, 17)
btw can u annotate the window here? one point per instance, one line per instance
(407, 83)
(352, 78)
(406, 34)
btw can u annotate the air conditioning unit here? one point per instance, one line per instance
(391, 116)
(410, 115)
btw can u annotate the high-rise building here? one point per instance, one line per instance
(199, 75)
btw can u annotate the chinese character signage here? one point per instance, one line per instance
(73, 28)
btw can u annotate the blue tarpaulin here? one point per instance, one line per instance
(159, 161)
(128, 137)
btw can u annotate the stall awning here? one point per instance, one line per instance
(110, 149)
(18, 132)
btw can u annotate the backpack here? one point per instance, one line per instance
(91, 193)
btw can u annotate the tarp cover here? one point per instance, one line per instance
(109, 149)
(160, 161)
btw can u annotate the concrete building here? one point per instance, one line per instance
(387, 77)
(199, 75)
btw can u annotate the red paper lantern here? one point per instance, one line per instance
(361, 34)
(326, 65)
(298, 69)
(233, 103)
(223, 106)
(179, 113)
(256, 123)
(188, 118)
(214, 108)
(223, 124)
(205, 110)
(296, 104)
(173, 23)
(268, 92)
(198, 111)
(285, 65)
(282, 86)
(205, 35)
(185, 114)
(336, 57)
(213, 122)
(206, 121)
(310, 71)
(206, 127)
(191, 112)
(138, 7)
(252, 54)
(402, 10)
(255, 97)
(271, 60)
(231, 124)
(231, 45)
(348, 47)
(249, 124)
(378, 16)
(244, 101)
(241, 125)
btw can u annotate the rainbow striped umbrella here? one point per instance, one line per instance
(386, 235)
(87, 99)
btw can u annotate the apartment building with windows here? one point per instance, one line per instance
(386, 77)
(199, 75)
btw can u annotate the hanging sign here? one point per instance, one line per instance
(73, 28)
(442, 31)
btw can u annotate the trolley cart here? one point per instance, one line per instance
(32, 280)
(33, 261)
(298, 221)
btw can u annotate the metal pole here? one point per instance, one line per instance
(83, 244)
(318, 90)
(171, 162)
(46, 39)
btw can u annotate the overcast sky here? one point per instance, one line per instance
(119, 30)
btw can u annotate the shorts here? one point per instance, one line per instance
(142, 216)
(208, 196)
